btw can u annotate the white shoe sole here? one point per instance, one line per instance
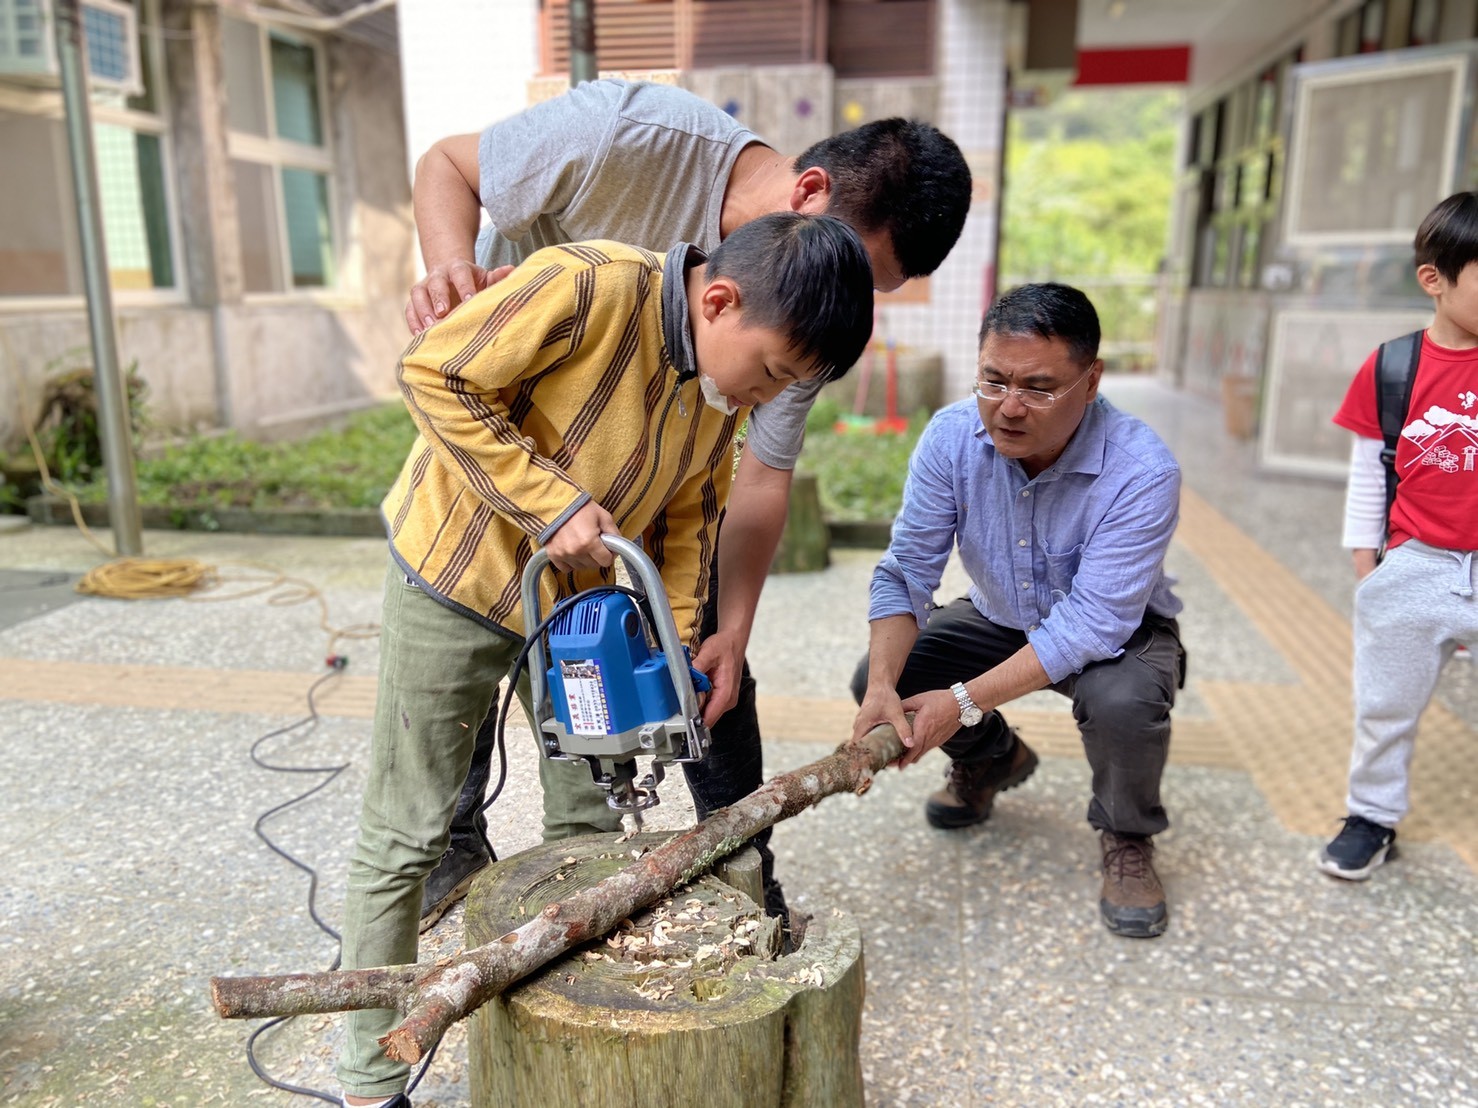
(1331, 867)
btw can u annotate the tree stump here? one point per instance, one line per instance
(688, 1002)
(805, 544)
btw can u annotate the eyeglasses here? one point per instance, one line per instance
(1031, 398)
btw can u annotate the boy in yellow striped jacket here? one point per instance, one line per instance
(595, 390)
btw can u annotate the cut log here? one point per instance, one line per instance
(684, 1003)
(435, 997)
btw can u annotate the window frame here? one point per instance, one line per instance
(47, 104)
(276, 154)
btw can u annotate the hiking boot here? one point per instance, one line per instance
(1132, 902)
(450, 880)
(971, 787)
(1359, 847)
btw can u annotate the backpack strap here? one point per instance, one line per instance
(1395, 370)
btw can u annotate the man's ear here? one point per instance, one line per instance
(1096, 371)
(719, 296)
(811, 194)
(1431, 281)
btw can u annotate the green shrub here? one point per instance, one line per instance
(352, 465)
(348, 466)
(860, 472)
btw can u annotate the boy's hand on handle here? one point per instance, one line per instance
(577, 544)
(446, 286)
(721, 659)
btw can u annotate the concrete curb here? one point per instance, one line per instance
(343, 522)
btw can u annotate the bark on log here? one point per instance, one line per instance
(685, 1003)
(436, 996)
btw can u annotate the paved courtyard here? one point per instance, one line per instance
(134, 873)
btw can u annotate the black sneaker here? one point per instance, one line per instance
(451, 879)
(1358, 849)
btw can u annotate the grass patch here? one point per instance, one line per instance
(353, 464)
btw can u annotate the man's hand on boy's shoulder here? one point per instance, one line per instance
(446, 286)
(578, 545)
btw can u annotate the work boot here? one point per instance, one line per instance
(1132, 902)
(453, 876)
(971, 786)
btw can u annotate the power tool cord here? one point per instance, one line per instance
(154, 578)
(336, 665)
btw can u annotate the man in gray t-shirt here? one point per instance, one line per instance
(651, 165)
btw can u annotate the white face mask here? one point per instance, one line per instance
(713, 397)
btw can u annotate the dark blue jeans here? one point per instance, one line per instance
(1122, 706)
(732, 770)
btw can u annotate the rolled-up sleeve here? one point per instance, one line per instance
(1119, 569)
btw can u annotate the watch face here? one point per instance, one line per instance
(971, 716)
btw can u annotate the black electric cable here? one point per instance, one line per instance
(337, 663)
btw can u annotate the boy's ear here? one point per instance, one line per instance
(719, 296)
(1431, 281)
(811, 194)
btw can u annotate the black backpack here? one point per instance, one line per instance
(1395, 370)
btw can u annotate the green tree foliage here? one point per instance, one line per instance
(1088, 187)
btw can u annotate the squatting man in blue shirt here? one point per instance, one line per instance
(1062, 507)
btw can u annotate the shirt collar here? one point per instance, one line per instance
(677, 326)
(1084, 453)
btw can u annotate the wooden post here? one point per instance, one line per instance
(805, 545)
(687, 1002)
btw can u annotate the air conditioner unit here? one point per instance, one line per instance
(110, 36)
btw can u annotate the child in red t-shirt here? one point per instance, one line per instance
(1413, 611)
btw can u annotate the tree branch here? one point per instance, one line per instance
(433, 997)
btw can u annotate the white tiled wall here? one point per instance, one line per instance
(971, 63)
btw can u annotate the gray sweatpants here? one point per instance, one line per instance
(1410, 614)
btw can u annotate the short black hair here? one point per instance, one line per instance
(806, 276)
(1047, 310)
(902, 177)
(1448, 237)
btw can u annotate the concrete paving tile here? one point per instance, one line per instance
(1066, 1043)
(248, 633)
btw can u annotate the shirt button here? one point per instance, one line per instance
(1020, 542)
(1033, 627)
(1026, 584)
(1026, 492)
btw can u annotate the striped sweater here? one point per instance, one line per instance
(555, 386)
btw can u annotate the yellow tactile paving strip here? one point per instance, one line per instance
(1293, 739)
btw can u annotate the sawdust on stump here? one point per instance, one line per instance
(689, 1001)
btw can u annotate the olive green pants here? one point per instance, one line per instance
(438, 673)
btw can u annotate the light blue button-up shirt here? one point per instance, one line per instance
(1075, 557)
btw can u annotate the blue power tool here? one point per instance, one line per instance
(607, 686)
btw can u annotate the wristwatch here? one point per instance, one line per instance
(970, 713)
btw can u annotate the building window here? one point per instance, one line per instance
(40, 253)
(280, 156)
(1232, 181)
